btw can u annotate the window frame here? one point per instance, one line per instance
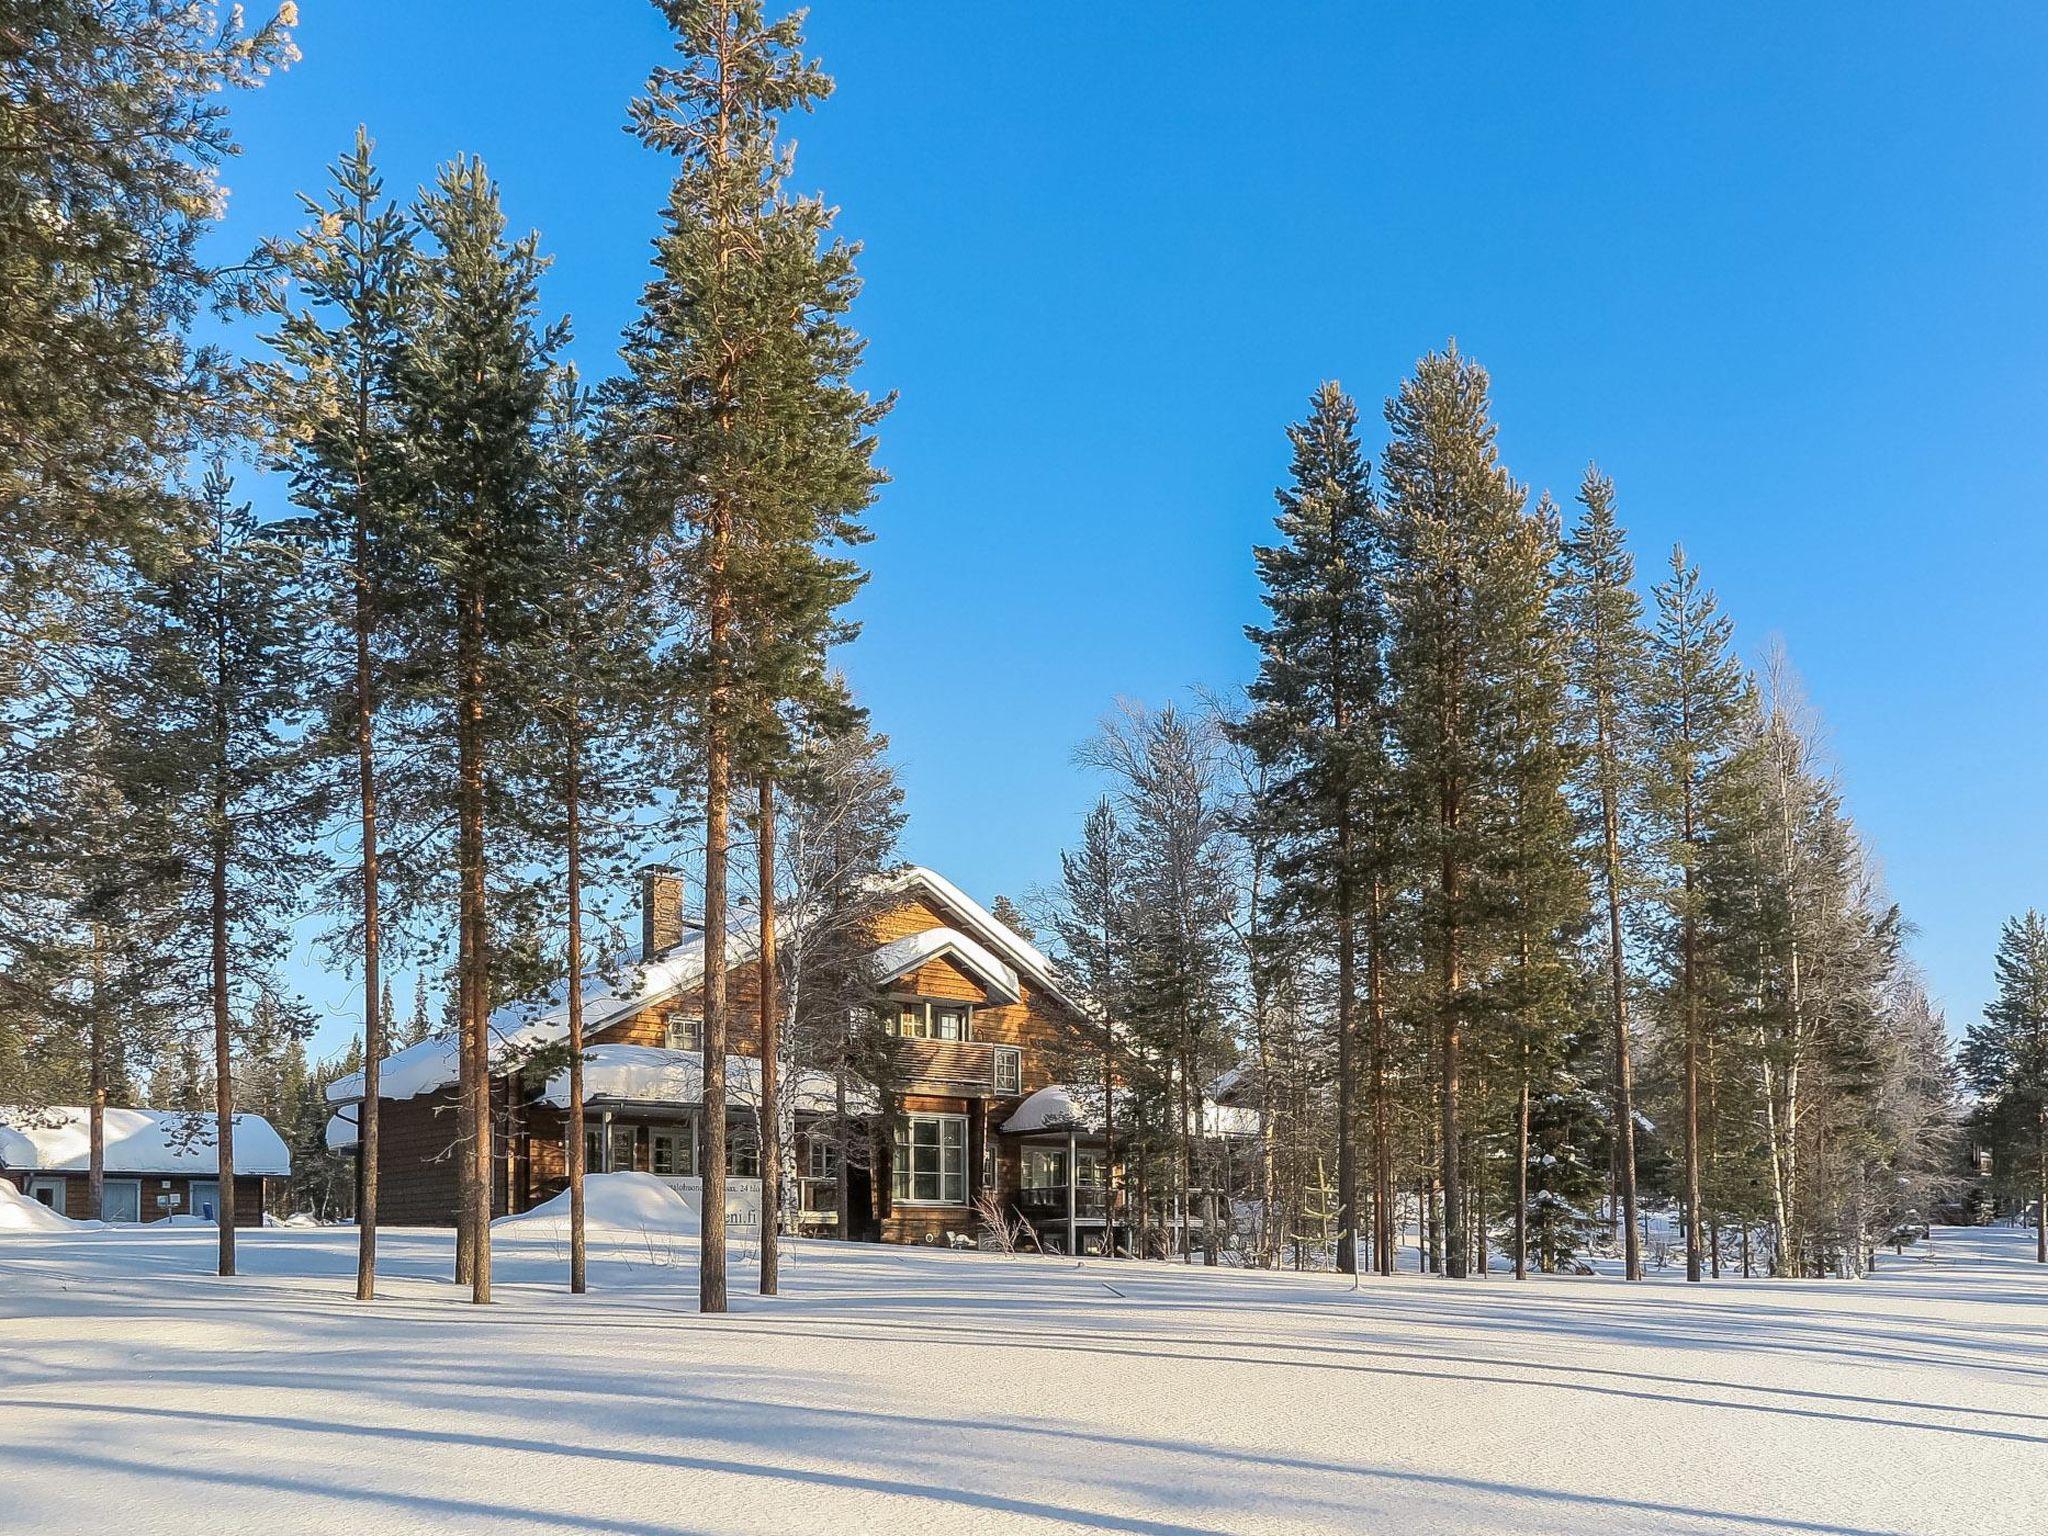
(1013, 1056)
(682, 1025)
(917, 1018)
(904, 1170)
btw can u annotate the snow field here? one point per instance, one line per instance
(913, 1391)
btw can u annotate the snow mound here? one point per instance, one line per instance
(18, 1213)
(613, 1203)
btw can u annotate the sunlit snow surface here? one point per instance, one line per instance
(912, 1391)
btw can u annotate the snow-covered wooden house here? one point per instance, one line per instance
(981, 1020)
(158, 1163)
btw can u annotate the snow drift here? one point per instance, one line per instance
(18, 1213)
(614, 1204)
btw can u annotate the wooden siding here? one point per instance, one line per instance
(250, 1191)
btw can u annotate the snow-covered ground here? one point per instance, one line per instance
(899, 1391)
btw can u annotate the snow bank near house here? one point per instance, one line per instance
(614, 1204)
(18, 1213)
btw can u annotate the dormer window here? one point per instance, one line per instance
(916, 1019)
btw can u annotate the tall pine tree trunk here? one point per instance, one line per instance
(1347, 1069)
(96, 1052)
(771, 1037)
(1689, 989)
(1522, 1173)
(1382, 1111)
(217, 924)
(1453, 1141)
(476, 948)
(1617, 980)
(717, 840)
(374, 1022)
(2041, 1184)
(572, 842)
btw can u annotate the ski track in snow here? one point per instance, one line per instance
(914, 1391)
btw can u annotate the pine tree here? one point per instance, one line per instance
(1319, 723)
(1459, 531)
(593, 678)
(229, 698)
(1607, 656)
(332, 395)
(116, 126)
(1694, 700)
(471, 388)
(748, 447)
(2006, 1056)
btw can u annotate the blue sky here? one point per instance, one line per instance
(1778, 269)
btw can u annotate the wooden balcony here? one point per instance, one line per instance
(946, 1066)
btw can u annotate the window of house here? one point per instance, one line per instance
(742, 1151)
(931, 1160)
(673, 1153)
(623, 1139)
(1009, 1069)
(916, 1020)
(682, 1032)
(822, 1160)
(593, 1149)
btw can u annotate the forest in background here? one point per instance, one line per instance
(1502, 890)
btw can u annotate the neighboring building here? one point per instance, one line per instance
(982, 1021)
(159, 1163)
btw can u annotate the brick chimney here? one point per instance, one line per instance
(661, 910)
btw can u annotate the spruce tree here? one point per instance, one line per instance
(1694, 700)
(1607, 656)
(748, 447)
(1319, 723)
(1460, 538)
(1534, 865)
(1091, 922)
(2005, 1057)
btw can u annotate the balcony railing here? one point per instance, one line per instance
(946, 1066)
(1043, 1201)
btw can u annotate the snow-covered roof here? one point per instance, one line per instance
(1078, 1107)
(998, 936)
(647, 1074)
(342, 1134)
(990, 948)
(1061, 1107)
(59, 1140)
(901, 956)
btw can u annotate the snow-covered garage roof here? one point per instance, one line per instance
(1077, 1107)
(59, 1140)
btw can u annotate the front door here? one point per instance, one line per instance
(123, 1200)
(205, 1199)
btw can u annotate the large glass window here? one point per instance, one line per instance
(931, 1160)
(673, 1152)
